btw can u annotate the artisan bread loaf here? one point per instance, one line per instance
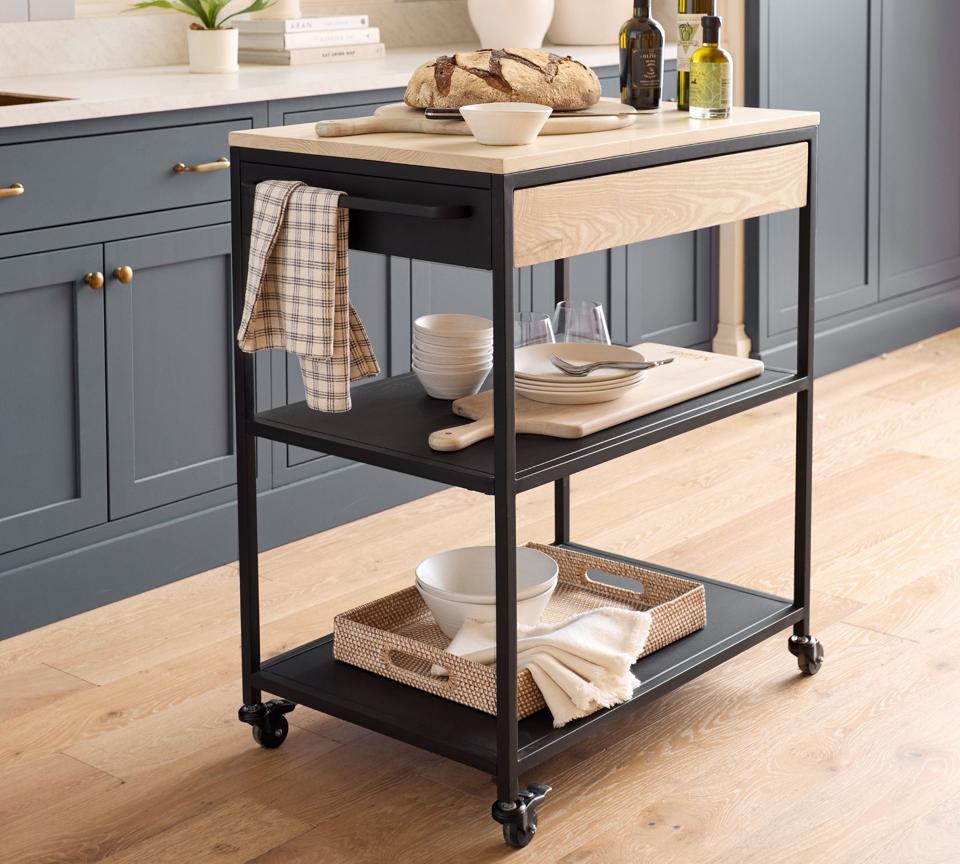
(503, 75)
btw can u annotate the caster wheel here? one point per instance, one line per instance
(273, 732)
(809, 653)
(516, 837)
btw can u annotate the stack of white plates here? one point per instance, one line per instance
(462, 583)
(452, 354)
(538, 379)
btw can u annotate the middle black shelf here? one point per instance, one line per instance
(392, 419)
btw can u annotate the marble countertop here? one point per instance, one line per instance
(122, 92)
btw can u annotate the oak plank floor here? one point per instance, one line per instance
(121, 743)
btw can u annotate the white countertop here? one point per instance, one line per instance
(121, 92)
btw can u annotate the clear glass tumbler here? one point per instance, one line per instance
(532, 328)
(580, 321)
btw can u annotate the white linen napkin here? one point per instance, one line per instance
(580, 665)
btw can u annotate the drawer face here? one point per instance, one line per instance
(567, 219)
(463, 241)
(103, 176)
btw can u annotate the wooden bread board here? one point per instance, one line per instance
(399, 117)
(692, 373)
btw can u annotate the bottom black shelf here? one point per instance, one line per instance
(737, 618)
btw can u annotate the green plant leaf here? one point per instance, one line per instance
(256, 6)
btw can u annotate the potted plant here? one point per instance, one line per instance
(211, 45)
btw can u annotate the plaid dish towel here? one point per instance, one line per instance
(298, 295)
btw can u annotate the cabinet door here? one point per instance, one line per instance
(169, 368)
(53, 433)
(919, 146)
(801, 63)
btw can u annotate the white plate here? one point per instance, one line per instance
(533, 361)
(564, 397)
(582, 386)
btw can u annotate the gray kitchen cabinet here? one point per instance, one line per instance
(920, 141)
(53, 477)
(169, 368)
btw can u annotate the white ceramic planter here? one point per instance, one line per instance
(213, 52)
(589, 22)
(510, 23)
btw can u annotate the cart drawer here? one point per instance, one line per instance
(102, 176)
(566, 219)
(462, 240)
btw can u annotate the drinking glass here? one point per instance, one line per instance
(580, 321)
(532, 328)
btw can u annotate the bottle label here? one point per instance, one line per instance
(711, 85)
(646, 67)
(689, 39)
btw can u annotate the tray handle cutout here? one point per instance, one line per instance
(414, 665)
(636, 586)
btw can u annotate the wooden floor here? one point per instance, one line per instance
(119, 739)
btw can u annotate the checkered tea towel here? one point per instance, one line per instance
(298, 295)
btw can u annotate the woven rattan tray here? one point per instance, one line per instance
(397, 637)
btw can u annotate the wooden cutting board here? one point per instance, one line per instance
(399, 117)
(692, 373)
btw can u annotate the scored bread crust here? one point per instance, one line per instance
(503, 75)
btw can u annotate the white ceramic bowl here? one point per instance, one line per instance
(470, 573)
(452, 385)
(506, 123)
(486, 601)
(443, 342)
(464, 351)
(447, 360)
(456, 369)
(450, 614)
(453, 324)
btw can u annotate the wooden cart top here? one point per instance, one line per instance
(664, 129)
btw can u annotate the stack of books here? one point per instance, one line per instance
(293, 41)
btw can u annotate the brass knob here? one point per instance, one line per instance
(94, 280)
(220, 165)
(12, 191)
(123, 274)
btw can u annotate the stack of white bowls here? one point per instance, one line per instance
(537, 378)
(452, 354)
(462, 583)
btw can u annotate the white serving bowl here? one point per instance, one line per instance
(447, 360)
(470, 573)
(506, 123)
(450, 614)
(452, 385)
(453, 324)
(486, 601)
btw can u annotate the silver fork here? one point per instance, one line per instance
(581, 369)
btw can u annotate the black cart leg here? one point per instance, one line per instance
(561, 487)
(516, 811)
(804, 646)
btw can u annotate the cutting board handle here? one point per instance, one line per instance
(460, 437)
(354, 126)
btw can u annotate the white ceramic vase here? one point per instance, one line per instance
(510, 23)
(589, 22)
(213, 52)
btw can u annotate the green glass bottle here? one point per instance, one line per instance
(689, 38)
(711, 75)
(641, 59)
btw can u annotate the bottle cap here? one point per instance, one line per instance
(711, 28)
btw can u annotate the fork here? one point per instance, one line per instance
(581, 369)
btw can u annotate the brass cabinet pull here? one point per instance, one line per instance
(123, 274)
(12, 191)
(220, 165)
(94, 280)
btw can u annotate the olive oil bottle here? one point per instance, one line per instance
(689, 38)
(641, 59)
(711, 75)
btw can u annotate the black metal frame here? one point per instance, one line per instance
(514, 808)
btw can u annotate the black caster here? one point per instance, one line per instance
(519, 820)
(809, 653)
(270, 727)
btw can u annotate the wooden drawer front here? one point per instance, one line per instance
(102, 176)
(567, 219)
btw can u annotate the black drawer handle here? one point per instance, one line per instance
(421, 211)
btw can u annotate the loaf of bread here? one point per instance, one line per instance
(503, 75)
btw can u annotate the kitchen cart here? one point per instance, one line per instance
(448, 199)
